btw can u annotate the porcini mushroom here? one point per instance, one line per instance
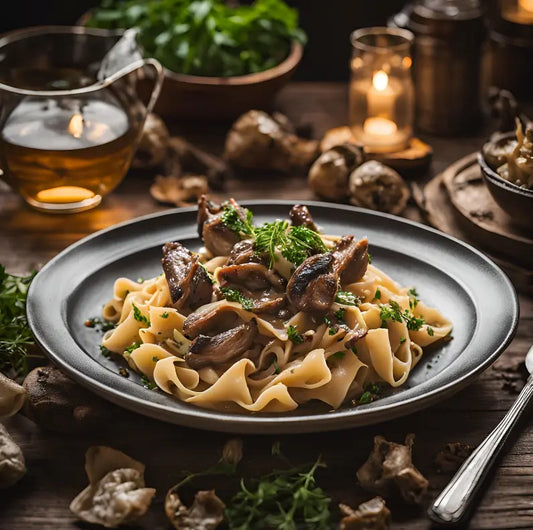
(369, 515)
(153, 145)
(378, 187)
(116, 493)
(328, 176)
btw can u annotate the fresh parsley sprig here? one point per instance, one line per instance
(241, 224)
(393, 311)
(16, 339)
(233, 295)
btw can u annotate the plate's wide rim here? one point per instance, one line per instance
(266, 424)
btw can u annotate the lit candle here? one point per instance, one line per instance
(526, 5)
(379, 127)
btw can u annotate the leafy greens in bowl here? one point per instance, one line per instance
(207, 37)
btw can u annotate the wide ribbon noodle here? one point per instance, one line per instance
(374, 333)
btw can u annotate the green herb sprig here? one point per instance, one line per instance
(294, 335)
(206, 37)
(393, 311)
(347, 298)
(16, 339)
(233, 295)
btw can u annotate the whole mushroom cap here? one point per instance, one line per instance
(328, 176)
(378, 187)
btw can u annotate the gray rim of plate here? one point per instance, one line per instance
(493, 295)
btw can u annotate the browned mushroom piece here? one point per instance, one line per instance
(256, 282)
(313, 285)
(450, 459)
(390, 469)
(351, 259)
(58, 404)
(179, 190)
(301, 216)
(205, 513)
(328, 176)
(210, 320)
(497, 149)
(258, 140)
(376, 186)
(243, 252)
(188, 282)
(369, 515)
(221, 348)
(153, 145)
(12, 464)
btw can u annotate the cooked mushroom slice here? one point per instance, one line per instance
(260, 141)
(328, 176)
(210, 320)
(188, 281)
(58, 404)
(12, 465)
(301, 216)
(205, 513)
(207, 210)
(370, 515)
(390, 467)
(378, 187)
(351, 259)
(221, 348)
(12, 396)
(116, 493)
(243, 252)
(313, 285)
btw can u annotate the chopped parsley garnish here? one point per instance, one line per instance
(209, 275)
(369, 258)
(354, 350)
(372, 393)
(295, 243)
(393, 311)
(338, 355)
(413, 298)
(332, 329)
(234, 221)
(285, 499)
(340, 313)
(347, 298)
(377, 296)
(105, 352)
(99, 324)
(430, 331)
(139, 317)
(366, 397)
(233, 295)
(292, 333)
(277, 369)
(150, 385)
(134, 346)
(155, 358)
(402, 340)
(164, 315)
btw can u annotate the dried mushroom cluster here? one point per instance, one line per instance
(12, 464)
(116, 493)
(512, 158)
(370, 515)
(341, 173)
(390, 469)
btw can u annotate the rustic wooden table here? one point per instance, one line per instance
(55, 462)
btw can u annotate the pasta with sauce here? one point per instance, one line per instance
(264, 319)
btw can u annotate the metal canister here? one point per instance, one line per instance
(446, 63)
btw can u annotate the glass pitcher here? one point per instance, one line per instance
(72, 112)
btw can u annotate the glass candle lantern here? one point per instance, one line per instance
(381, 88)
(518, 11)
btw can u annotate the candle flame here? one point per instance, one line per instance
(75, 125)
(526, 5)
(380, 80)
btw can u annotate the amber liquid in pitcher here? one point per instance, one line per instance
(65, 154)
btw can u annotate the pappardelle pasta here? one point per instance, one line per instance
(266, 318)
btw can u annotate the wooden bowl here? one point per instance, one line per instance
(194, 97)
(517, 202)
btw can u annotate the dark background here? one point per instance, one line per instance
(328, 24)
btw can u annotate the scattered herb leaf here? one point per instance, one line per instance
(338, 355)
(292, 333)
(340, 313)
(277, 369)
(430, 331)
(237, 222)
(150, 385)
(233, 295)
(347, 298)
(134, 346)
(164, 315)
(393, 311)
(139, 317)
(377, 296)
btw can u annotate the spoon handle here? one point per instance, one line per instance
(454, 501)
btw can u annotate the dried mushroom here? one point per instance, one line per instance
(153, 144)
(205, 513)
(58, 404)
(450, 459)
(370, 515)
(179, 191)
(258, 140)
(116, 493)
(12, 396)
(378, 187)
(390, 468)
(328, 176)
(12, 465)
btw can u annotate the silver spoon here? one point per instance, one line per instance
(453, 504)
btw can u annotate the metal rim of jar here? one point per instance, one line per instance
(407, 36)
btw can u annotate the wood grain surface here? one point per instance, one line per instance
(28, 239)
